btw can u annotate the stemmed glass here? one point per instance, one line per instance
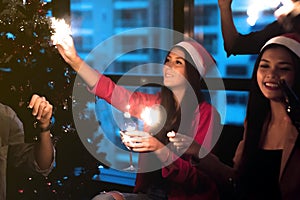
(129, 125)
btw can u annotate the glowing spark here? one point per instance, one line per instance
(287, 7)
(127, 114)
(61, 30)
(150, 116)
(255, 9)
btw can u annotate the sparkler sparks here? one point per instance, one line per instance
(61, 30)
(287, 7)
(150, 116)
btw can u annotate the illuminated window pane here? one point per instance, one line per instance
(93, 22)
(207, 31)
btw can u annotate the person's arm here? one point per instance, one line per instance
(101, 85)
(67, 50)
(205, 161)
(176, 169)
(37, 157)
(208, 164)
(44, 149)
(224, 175)
(182, 169)
(229, 31)
(288, 16)
(236, 43)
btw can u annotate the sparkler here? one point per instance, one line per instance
(127, 114)
(150, 116)
(61, 30)
(287, 7)
(154, 118)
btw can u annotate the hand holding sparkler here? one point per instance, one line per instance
(64, 42)
(292, 103)
(187, 145)
(65, 45)
(61, 30)
(288, 15)
(181, 142)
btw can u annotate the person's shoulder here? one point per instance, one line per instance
(158, 96)
(206, 106)
(6, 110)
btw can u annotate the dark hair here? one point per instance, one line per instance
(258, 113)
(182, 117)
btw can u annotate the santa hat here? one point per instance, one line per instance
(202, 59)
(289, 40)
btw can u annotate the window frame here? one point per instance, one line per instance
(183, 21)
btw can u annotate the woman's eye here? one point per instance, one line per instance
(263, 66)
(178, 62)
(285, 69)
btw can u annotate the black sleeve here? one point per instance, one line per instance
(252, 42)
(223, 175)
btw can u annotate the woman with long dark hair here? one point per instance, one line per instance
(163, 173)
(266, 163)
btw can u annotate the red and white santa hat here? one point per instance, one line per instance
(289, 40)
(200, 56)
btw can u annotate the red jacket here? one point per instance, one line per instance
(180, 179)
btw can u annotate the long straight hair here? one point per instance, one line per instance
(181, 115)
(258, 115)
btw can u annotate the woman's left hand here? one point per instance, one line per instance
(41, 109)
(184, 143)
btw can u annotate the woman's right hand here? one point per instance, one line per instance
(287, 14)
(67, 50)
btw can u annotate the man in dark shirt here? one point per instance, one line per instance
(251, 43)
(14, 152)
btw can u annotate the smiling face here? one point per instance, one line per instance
(276, 63)
(175, 69)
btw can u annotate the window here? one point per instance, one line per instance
(94, 23)
(206, 30)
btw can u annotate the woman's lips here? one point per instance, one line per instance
(271, 85)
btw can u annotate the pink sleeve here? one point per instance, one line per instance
(181, 170)
(120, 97)
(208, 127)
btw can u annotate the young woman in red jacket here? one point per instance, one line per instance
(163, 172)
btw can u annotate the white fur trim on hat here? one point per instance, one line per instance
(290, 43)
(202, 59)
